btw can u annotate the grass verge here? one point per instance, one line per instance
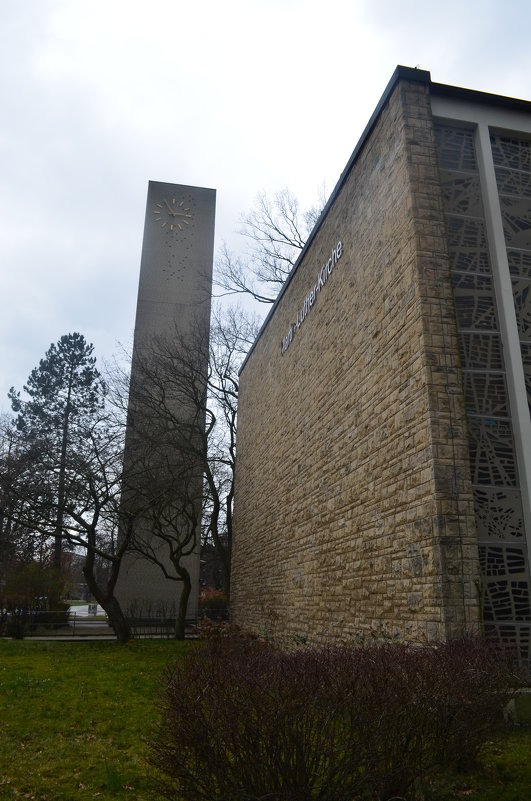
(73, 717)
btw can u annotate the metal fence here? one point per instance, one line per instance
(75, 624)
(36, 623)
(159, 627)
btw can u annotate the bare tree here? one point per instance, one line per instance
(181, 449)
(232, 333)
(276, 231)
(90, 507)
(167, 431)
(61, 470)
(178, 479)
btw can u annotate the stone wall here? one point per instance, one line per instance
(353, 512)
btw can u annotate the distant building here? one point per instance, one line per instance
(384, 440)
(174, 297)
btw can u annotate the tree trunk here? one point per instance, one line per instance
(183, 606)
(58, 539)
(222, 550)
(106, 599)
(117, 620)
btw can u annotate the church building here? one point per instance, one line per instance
(383, 484)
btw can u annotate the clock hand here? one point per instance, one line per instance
(177, 213)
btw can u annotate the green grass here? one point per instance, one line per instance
(523, 709)
(73, 718)
(503, 773)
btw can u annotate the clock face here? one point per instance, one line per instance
(173, 214)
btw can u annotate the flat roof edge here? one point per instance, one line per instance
(400, 73)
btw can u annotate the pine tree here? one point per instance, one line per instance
(65, 393)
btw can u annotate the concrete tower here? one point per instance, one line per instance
(174, 298)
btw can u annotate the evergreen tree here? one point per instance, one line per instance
(65, 393)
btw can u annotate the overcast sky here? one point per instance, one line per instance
(97, 98)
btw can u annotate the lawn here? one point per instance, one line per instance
(74, 717)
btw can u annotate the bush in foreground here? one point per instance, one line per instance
(242, 720)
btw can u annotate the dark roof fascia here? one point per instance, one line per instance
(408, 73)
(480, 98)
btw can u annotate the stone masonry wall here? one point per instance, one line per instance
(354, 512)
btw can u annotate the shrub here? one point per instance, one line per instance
(208, 629)
(16, 625)
(26, 592)
(213, 604)
(243, 720)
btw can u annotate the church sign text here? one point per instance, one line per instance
(322, 277)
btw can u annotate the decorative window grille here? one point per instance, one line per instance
(498, 506)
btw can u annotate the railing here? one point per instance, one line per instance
(37, 624)
(75, 624)
(158, 627)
